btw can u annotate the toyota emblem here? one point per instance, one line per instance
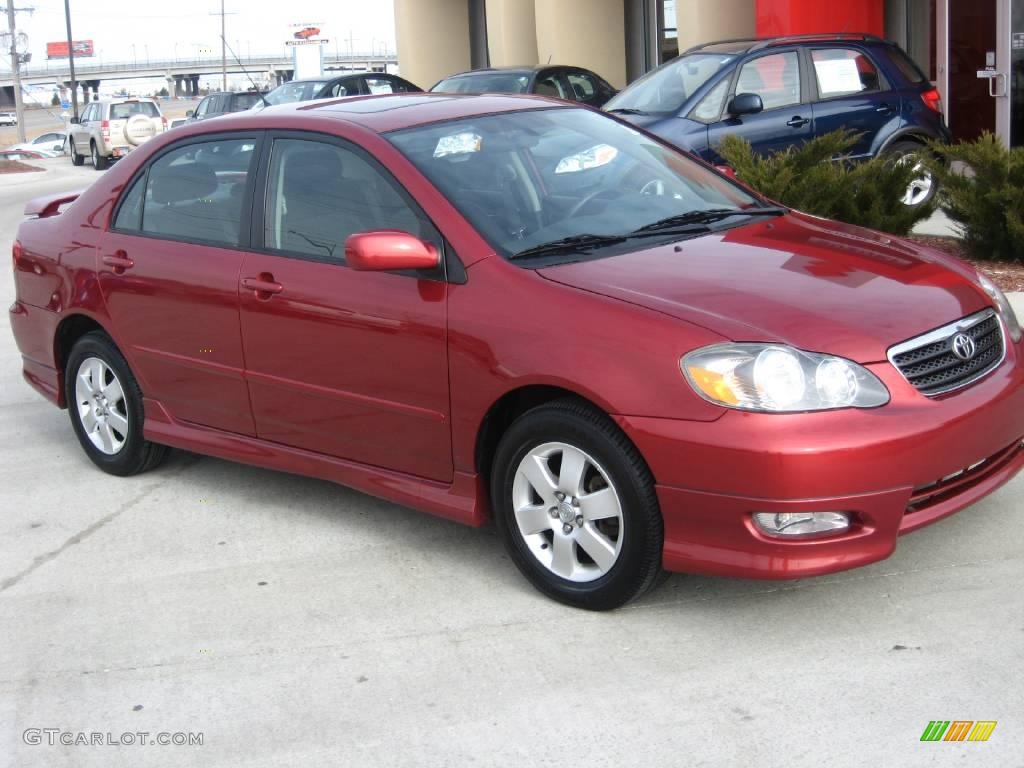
(963, 346)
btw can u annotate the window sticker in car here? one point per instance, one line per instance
(458, 144)
(838, 76)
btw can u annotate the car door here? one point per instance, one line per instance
(168, 270)
(852, 93)
(202, 109)
(786, 118)
(345, 363)
(80, 133)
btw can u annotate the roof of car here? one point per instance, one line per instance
(747, 44)
(524, 69)
(393, 112)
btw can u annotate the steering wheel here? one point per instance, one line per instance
(587, 198)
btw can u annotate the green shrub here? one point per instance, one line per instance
(818, 178)
(987, 199)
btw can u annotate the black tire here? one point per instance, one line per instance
(76, 159)
(99, 162)
(579, 425)
(136, 454)
(902, 149)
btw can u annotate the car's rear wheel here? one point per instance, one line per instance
(923, 186)
(76, 159)
(105, 405)
(576, 507)
(99, 162)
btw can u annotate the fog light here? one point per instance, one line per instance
(781, 524)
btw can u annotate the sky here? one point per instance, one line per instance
(164, 29)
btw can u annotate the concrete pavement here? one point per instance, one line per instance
(294, 622)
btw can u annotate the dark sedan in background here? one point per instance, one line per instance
(562, 82)
(224, 103)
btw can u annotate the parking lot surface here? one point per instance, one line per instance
(295, 622)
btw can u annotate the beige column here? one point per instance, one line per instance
(433, 39)
(511, 32)
(586, 33)
(704, 21)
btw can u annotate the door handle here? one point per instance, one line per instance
(263, 286)
(883, 109)
(119, 262)
(798, 122)
(997, 85)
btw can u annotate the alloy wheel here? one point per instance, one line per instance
(920, 187)
(101, 406)
(568, 512)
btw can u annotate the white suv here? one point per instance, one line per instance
(112, 128)
(8, 118)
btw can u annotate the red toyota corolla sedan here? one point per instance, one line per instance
(522, 309)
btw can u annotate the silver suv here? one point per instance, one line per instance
(112, 128)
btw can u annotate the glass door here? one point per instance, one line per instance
(1017, 74)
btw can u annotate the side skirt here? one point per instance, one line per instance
(463, 501)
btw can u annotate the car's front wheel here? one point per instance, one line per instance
(576, 507)
(105, 405)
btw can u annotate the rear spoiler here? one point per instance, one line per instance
(49, 205)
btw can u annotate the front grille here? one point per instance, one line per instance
(959, 482)
(929, 363)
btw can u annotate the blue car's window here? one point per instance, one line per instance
(775, 78)
(843, 71)
(531, 177)
(668, 87)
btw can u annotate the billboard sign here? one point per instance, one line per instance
(305, 41)
(59, 50)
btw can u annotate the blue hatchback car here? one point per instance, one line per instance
(777, 92)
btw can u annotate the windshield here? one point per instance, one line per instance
(485, 82)
(528, 178)
(303, 90)
(669, 86)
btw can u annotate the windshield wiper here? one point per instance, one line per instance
(627, 111)
(707, 216)
(572, 244)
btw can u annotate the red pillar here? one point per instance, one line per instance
(799, 17)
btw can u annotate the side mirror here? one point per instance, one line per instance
(75, 120)
(745, 104)
(387, 250)
(190, 113)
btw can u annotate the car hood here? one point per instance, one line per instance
(799, 280)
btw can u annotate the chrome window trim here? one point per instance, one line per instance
(943, 333)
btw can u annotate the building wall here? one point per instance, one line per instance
(511, 32)
(433, 39)
(797, 17)
(703, 21)
(588, 33)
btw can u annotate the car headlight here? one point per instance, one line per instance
(1003, 305)
(780, 379)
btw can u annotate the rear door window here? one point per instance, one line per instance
(194, 193)
(844, 71)
(127, 109)
(550, 84)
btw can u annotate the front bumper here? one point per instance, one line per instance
(893, 469)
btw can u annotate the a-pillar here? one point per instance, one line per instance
(511, 32)
(597, 40)
(701, 21)
(420, 24)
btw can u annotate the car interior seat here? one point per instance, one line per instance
(183, 202)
